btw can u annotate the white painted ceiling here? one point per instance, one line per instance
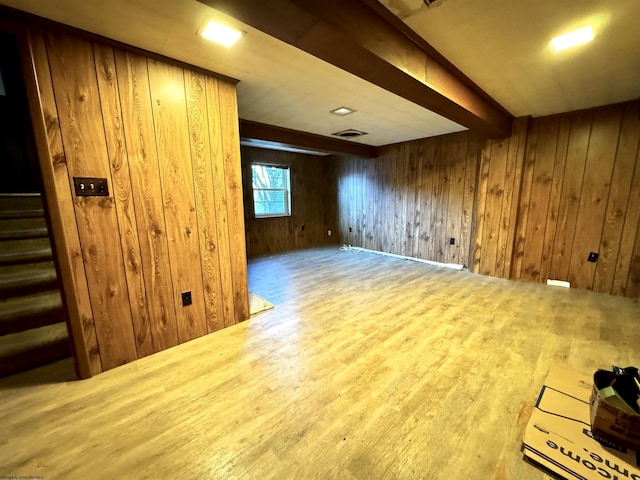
(503, 46)
(279, 84)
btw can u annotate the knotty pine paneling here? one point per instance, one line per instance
(411, 199)
(167, 140)
(312, 204)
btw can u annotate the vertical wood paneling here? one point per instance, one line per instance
(525, 199)
(469, 196)
(595, 191)
(630, 230)
(176, 175)
(231, 154)
(426, 200)
(400, 192)
(412, 198)
(571, 193)
(53, 165)
(458, 168)
(625, 162)
(220, 201)
(633, 283)
(135, 99)
(121, 190)
(417, 208)
(554, 199)
(479, 248)
(76, 92)
(269, 235)
(510, 198)
(204, 198)
(558, 188)
(156, 134)
(441, 243)
(547, 140)
(493, 205)
(408, 208)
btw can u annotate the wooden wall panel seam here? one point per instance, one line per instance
(176, 172)
(112, 191)
(569, 202)
(130, 244)
(231, 154)
(147, 196)
(220, 196)
(202, 292)
(520, 126)
(592, 211)
(205, 203)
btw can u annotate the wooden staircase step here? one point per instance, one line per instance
(21, 205)
(30, 311)
(33, 348)
(27, 278)
(25, 251)
(21, 228)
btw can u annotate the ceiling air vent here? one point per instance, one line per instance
(349, 133)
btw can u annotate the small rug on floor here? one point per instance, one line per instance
(258, 304)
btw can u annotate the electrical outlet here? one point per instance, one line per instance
(329, 232)
(593, 257)
(350, 230)
(186, 298)
(452, 241)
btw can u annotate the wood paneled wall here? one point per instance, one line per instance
(167, 140)
(581, 194)
(411, 199)
(499, 185)
(557, 189)
(311, 187)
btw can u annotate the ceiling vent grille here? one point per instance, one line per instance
(350, 133)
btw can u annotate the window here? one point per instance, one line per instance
(271, 190)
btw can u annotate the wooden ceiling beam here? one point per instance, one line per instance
(310, 141)
(360, 38)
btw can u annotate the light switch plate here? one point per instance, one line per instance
(91, 187)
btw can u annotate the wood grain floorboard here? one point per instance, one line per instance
(369, 367)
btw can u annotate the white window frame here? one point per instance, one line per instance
(287, 190)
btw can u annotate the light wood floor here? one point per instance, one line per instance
(369, 367)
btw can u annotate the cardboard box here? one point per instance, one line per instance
(558, 435)
(609, 423)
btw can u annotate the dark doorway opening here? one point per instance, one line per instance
(18, 160)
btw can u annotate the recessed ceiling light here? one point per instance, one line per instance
(571, 39)
(221, 34)
(342, 111)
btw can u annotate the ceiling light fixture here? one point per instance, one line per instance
(342, 111)
(571, 39)
(221, 34)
